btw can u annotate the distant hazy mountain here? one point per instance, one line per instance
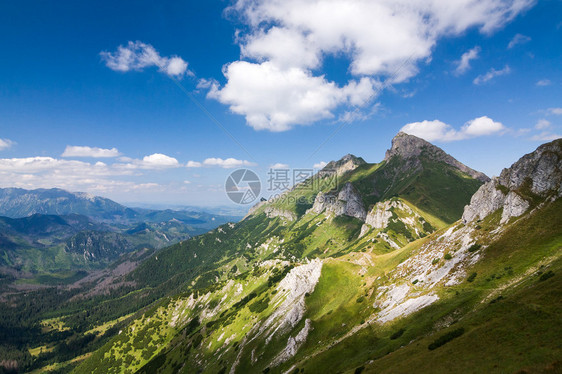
(53, 229)
(18, 202)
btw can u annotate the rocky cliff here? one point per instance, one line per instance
(536, 176)
(347, 202)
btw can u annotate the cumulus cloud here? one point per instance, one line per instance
(275, 85)
(518, 39)
(491, 74)
(5, 144)
(48, 172)
(85, 151)
(276, 99)
(75, 175)
(153, 161)
(138, 55)
(320, 165)
(440, 131)
(464, 63)
(544, 82)
(279, 165)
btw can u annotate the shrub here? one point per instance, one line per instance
(444, 339)
(359, 370)
(471, 277)
(397, 334)
(545, 276)
(360, 299)
(474, 247)
(447, 256)
(415, 281)
(435, 261)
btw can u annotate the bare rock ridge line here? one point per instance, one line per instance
(537, 175)
(410, 146)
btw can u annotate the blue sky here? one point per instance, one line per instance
(118, 99)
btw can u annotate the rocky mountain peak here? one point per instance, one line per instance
(409, 146)
(346, 163)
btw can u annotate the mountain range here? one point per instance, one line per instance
(51, 230)
(413, 264)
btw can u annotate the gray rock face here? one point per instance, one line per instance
(409, 146)
(380, 214)
(539, 173)
(543, 168)
(513, 206)
(485, 201)
(348, 202)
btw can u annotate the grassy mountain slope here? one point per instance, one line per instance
(236, 274)
(212, 328)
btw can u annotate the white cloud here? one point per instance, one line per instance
(73, 175)
(464, 63)
(431, 130)
(193, 164)
(491, 74)
(138, 55)
(440, 131)
(153, 161)
(555, 111)
(277, 99)
(542, 124)
(320, 165)
(275, 86)
(228, 163)
(546, 136)
(85, 151)
(544, 82)
(279, 166)
(159, 160)
(5, 144)
(518, 39)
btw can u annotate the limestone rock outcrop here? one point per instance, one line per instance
(535, 175)
(347, 202)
